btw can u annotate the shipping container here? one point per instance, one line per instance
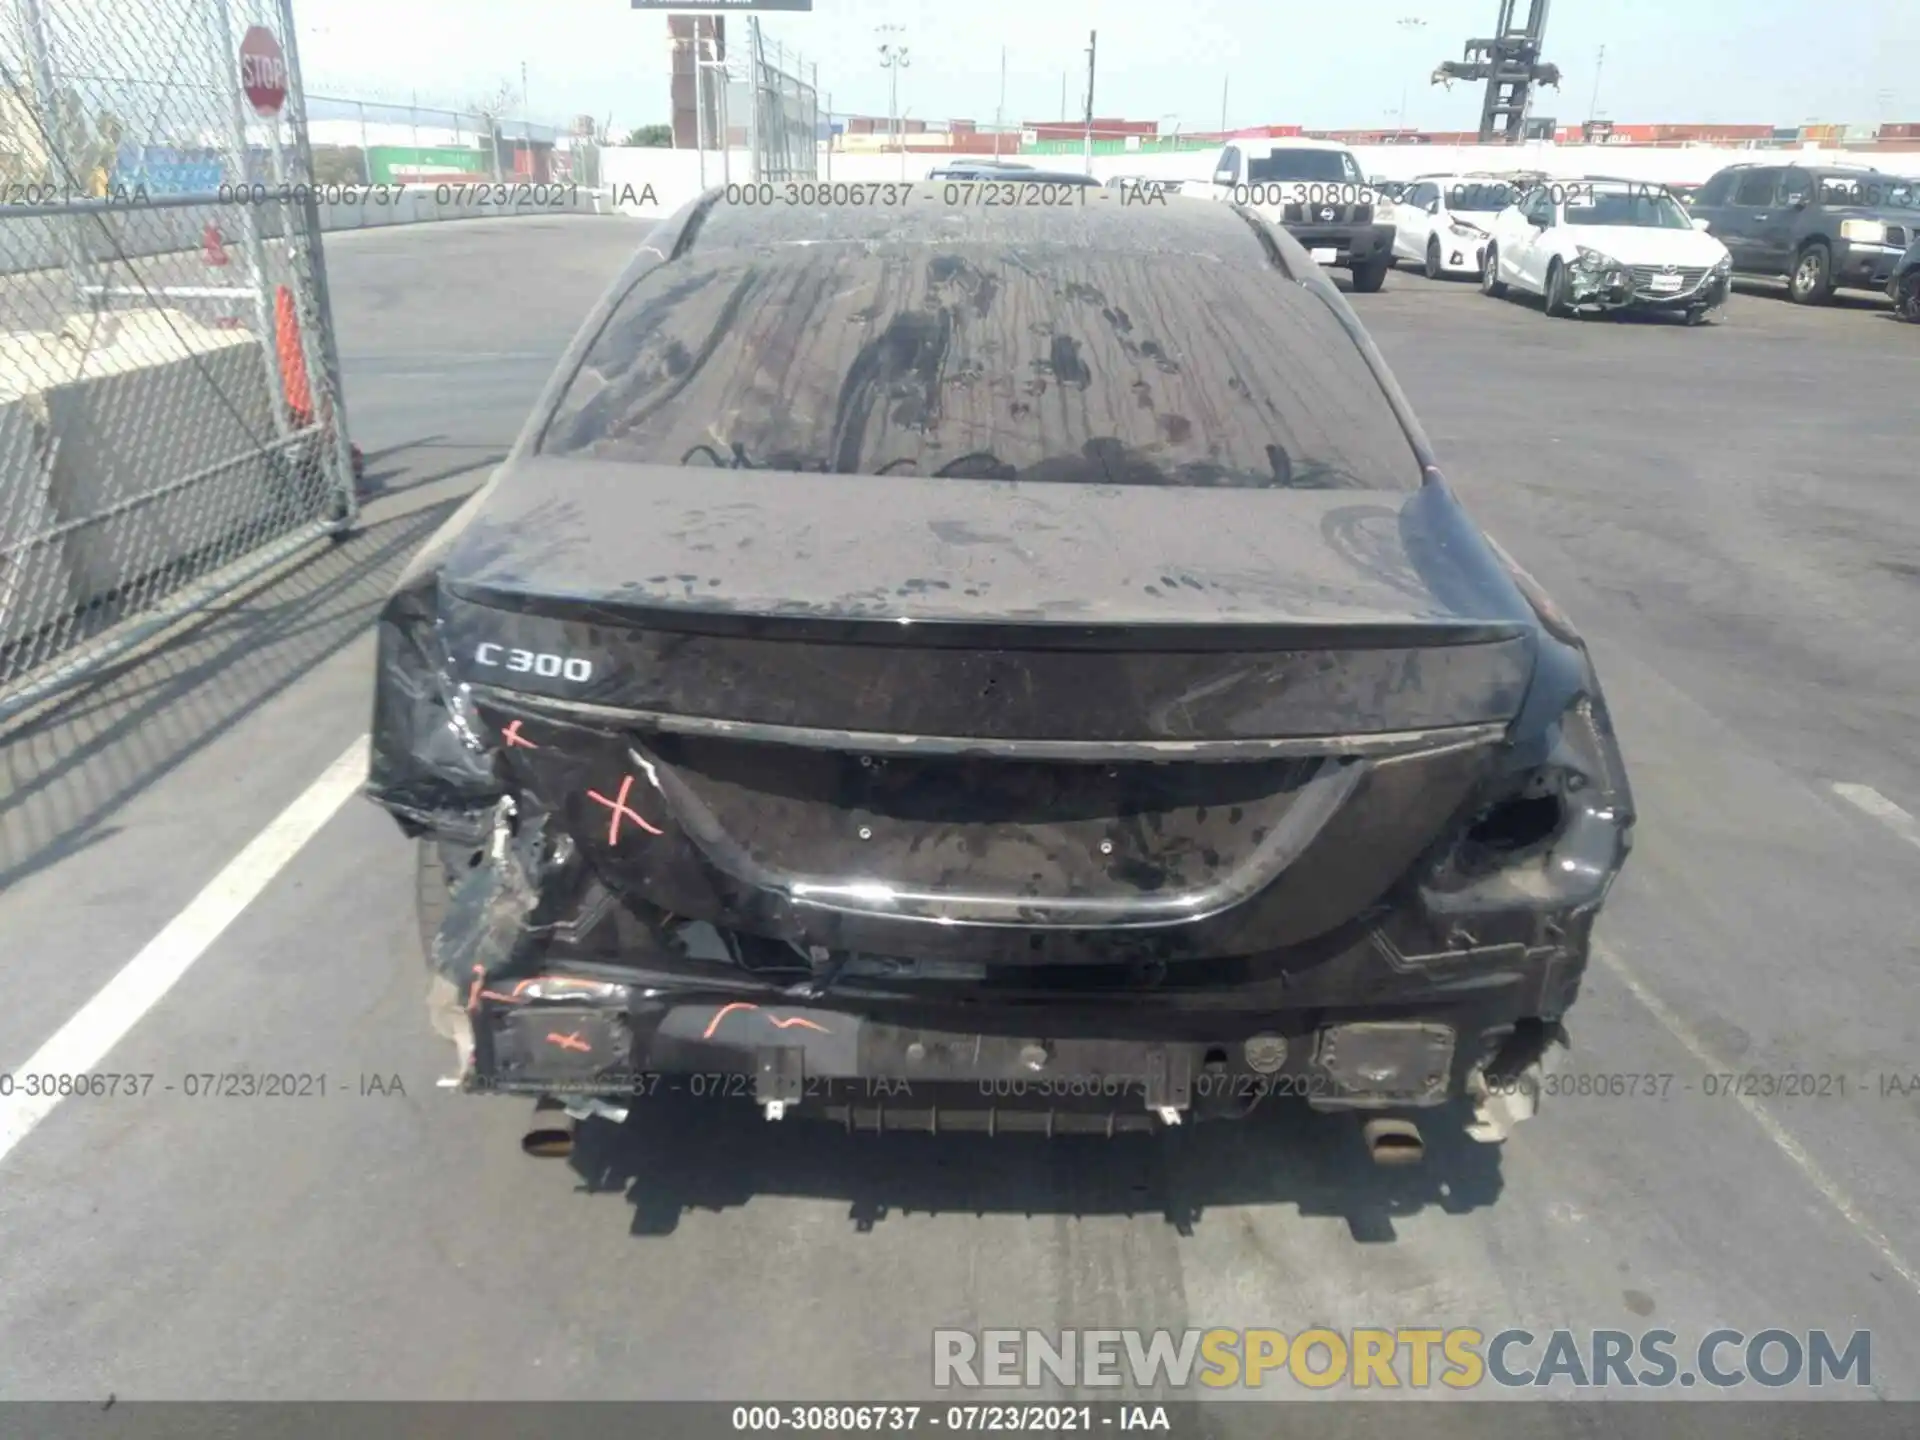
(976, 142)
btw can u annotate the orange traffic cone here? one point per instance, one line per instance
(293, 368)
(293, 362)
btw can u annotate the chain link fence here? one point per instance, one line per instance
(171, 422)
(378, 142)
(785, 109)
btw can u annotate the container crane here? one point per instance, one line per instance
(1510, 63)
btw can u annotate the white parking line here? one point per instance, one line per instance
(1882, 809)
(86, 1039)
(1761, 1116)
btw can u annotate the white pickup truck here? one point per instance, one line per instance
(1316, 191)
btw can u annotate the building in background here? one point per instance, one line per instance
(704, 37)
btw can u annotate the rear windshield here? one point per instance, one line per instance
(1334, 165)
(1007, 363)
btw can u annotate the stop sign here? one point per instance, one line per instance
(263, 70)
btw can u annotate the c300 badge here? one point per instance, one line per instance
(543, 663)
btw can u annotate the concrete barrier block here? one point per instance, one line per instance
(36, 584)
(165, 429)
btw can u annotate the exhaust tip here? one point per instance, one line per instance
(547, 1142)
(549, 1134)
(1394, 1142)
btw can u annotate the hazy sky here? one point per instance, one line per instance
(1345, 63)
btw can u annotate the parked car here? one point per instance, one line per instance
(980, 170)
(1441, 222)
(1595, 246)
(768, 724)
(1007, 175)
(1317, 191)
(1904, 286)
(1823, 228)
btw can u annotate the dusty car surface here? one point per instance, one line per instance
(1004, 668)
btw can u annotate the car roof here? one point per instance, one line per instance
(984, 165)
(1106, 220)
(1057, 177)
(1261, 147)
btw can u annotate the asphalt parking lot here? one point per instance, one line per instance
(1730, 514)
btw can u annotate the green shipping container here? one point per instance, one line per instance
(395, 164)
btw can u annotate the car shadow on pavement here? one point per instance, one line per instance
(678, 1155)
(70, 774)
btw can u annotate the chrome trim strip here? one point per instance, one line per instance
(874, 742)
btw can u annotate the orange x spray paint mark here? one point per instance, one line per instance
(620, 811)
(568, 1042)
(772, 1019)
(513, 737)
(477, 991)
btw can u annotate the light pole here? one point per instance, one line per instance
(1409, 25)
(893, 59)
(1593, 105)
(1093, 41)
(1000, 110)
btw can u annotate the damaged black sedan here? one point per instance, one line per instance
(1000, 669)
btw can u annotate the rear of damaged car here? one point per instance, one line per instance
(1021, 671)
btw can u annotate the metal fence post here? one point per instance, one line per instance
(754, 167)
(296, 105)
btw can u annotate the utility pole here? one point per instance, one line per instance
(1093, 40)
(1599, 61)
(893, 59)
(1408, 25)
(1000, 110)
(1063, 97)
(1224, 81)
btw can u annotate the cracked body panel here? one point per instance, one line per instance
(816, 695)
